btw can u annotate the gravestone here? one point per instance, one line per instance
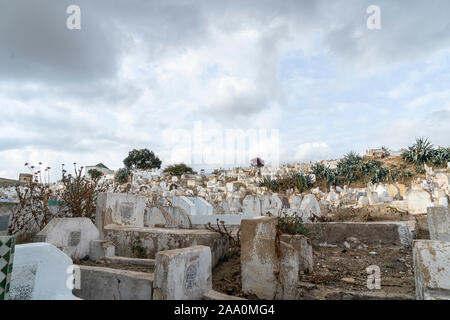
(182, 274)
(251, 205)
(71, 235)
(439, 223)
(418, 201)
(310, 207)
(119, 209)
(41, 272)
(268, 271)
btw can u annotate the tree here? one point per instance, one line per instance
(178, 169)
(122, 175)
(142, 159)
(95, 174)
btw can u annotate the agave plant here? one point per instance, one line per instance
(440, 156)
(379, 174)
(271, 184)
(348, 167)
(420, 152)
(318, 170)
(303, 182)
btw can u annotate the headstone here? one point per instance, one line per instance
(119, 209)
(418, 201)
(72, 235)
(439, 223)
(295, 201)
(441, 180)
(182, 274)
(268, 271)
(393, 191)
(251, 205)
(41, 272)
(310, 207)
(432, 269)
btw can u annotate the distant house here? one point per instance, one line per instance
(25, 177)
(99, 167)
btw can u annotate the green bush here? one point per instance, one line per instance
(348, 167)
(322, 172)
(269, 183)
(95, 174)
(419, 153)
(440, 156)
(291, 224)
(303, 182)
(179, 169)
(142, 159)
(420, 170)
(122, 175)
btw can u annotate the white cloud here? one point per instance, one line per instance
(313, 151)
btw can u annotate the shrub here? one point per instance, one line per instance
(291, 224)
(142, 159)
(303, 182)
(80, 194)
(348, 167)
(178, 169)
(420, 170)
(440, 156)
(379, 174)
(269, 183)
(95, 174)
(78, 199)
(122, 175)
(419, 153)
(322, 172)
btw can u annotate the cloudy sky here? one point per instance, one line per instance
(139, 71)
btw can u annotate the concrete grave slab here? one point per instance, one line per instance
(99, 283)
(72, 235)
(432, 269)
(183, 274)
(41, 272)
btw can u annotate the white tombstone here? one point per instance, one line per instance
(72, 235)
(251, 205)
(372, 197)
(309, 207)
(295, 201)
(41, 272)
(418, 201)
(184, 203)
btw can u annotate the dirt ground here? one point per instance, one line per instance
(367, 214)
(103, 264)
(331, 265)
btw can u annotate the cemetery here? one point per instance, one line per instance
(332, 230)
